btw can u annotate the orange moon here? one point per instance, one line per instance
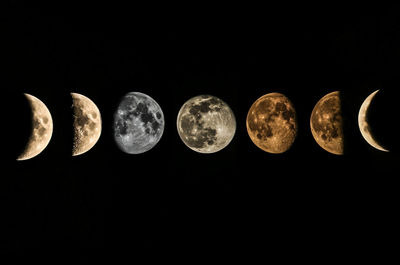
(272, 123)
(326, 123)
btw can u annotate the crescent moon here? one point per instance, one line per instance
(364, 125)
(42, 129)
(87, 124)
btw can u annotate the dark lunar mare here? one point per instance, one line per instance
(271, 111)
(207, 135)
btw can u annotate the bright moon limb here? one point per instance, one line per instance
(364, 126)
(42, 129)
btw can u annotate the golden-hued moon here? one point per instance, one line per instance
(42, 129)
(206, 124)
(326, 123)
(364, 125)
(272, 124)
(86, 124)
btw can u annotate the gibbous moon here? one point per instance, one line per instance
(206, 124)
(327, 123)
(364, 125)
(138, 123)
(42, 129)
(87, 124)
(271, 123)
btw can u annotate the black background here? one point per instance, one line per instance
(172, 200)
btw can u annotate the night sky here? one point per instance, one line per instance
(172, 200)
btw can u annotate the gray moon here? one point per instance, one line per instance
(326, 123)
(86, 124)
(364, 125)
(206, 124)
(42, 129)
(138, 123)
(271, 123)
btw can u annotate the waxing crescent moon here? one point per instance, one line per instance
(87, 124)
(42, 129)
(364, 125)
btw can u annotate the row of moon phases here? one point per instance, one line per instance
(205, 124)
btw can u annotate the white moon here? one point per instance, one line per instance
(364, 125)
(206, 124)
(87, 124)
(42, 129)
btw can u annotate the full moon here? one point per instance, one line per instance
(206, 124)
(42, 128)
(138, 123)
(326, 123)
(87, 124)
(271, 123)
(364, 125)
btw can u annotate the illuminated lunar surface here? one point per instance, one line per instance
(271, 123)
(86, 124)
(326, 123)
(364, 125)
(42, 129)
(138, 123)
(206, 124)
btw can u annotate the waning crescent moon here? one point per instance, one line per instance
(364, 125)
(42, 129)
(87, 124)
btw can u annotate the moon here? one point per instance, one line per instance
(364, 125)
(272, 124)
(42, 129)
(138, 123)
(206, 124)
(86, 124)
(326, 123)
